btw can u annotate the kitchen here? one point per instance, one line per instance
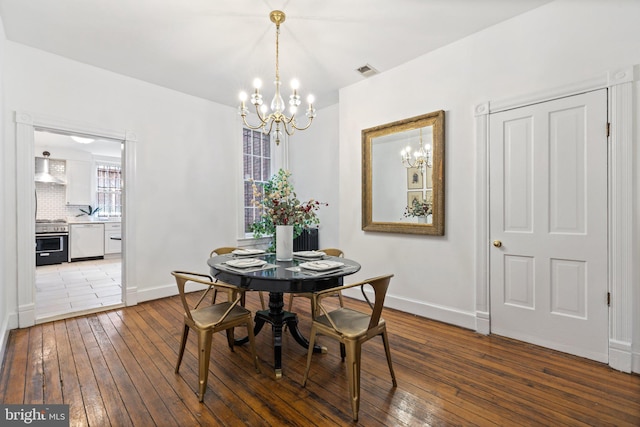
(78, 194)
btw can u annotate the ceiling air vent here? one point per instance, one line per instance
(367, 70)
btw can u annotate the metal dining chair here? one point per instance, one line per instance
(210, 319)
(330, 252)
(352, 328)
(227, 250)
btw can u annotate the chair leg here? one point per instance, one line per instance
(252, 344)
(340, 298)
(387, 350)
(183, 344)
(291, 297)
(353, 376)
(204, 351)
(230, 338)
(262, 301)
(215, 295)
(312, 341)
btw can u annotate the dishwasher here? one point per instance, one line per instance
(86, 241)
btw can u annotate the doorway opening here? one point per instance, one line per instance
(79, 208)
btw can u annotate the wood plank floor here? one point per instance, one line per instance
(117, 368)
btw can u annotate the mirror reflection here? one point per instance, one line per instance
(403, 176)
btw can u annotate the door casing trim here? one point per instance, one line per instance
(620, 83)
(26, 124)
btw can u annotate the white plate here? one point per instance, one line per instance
(246, 263)
(321, 265)
(247, 252)
(309, 254)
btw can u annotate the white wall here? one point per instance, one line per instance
(313, 160)
(557, 44)
(187, 150)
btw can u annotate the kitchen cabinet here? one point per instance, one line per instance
(112, 238)
(79, 182)
(86, 240)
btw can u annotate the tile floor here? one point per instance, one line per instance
(73, 287)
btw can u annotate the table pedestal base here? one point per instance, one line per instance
(278, 318)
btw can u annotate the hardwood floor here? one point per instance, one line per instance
(117, 368)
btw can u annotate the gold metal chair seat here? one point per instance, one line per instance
(349, 323)
(211, 316)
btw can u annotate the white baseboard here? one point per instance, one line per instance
(27, 315)
(131, 297)
(635, 363)
(8, 323)
(620, 356)
(483, 323)
(440, 313)
(158, 292)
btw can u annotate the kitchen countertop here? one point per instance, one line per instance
(87, 220)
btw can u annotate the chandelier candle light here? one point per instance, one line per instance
(422, 156)
(277, 115)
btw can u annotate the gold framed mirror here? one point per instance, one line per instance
(403, 176)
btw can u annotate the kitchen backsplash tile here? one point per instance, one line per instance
(52, 198)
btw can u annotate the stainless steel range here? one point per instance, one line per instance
(52, 241)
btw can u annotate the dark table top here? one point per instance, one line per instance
(281, 276)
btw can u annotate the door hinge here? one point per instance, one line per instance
(608, 298)
(608, 129)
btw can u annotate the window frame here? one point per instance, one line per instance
(119, 189)
(246, 178)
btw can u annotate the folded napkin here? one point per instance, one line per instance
(321, 265)
(247, 251)
(246, 270)
(246, 262)
(309, 254)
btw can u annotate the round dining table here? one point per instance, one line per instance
(279, 277)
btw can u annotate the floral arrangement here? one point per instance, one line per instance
(281, 206)
(418, 208)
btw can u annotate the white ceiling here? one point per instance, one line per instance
(214, 48)
(57, 143)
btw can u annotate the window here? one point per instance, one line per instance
(257, 168)
(109, 192)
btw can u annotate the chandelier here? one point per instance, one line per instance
(277, 116)
(422, 156)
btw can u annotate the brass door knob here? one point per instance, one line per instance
(497, 243)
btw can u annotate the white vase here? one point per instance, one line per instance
(425, 219)
(284, 242)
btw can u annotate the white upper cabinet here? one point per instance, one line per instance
(79, 183)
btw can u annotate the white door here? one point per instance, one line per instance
(548, 205)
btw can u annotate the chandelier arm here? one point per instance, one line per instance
(250, 126)
(288, 128)
(270, 127)
(261, 117)
(303, 128)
